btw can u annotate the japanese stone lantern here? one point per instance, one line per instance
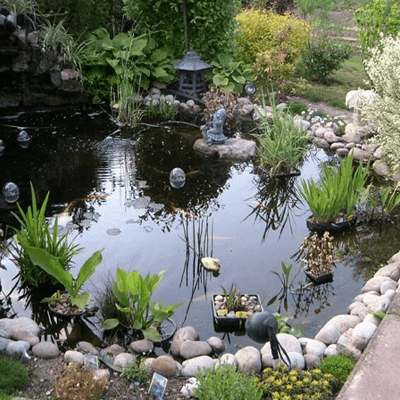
(191, 74)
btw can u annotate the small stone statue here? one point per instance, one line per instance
(215, 133)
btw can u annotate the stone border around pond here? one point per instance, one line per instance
(348, 334)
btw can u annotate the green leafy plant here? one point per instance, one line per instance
(137, 372)
(282, 383)
(34, 231)
(339, 367)
(132, 294)
(163, 109)
(21, 6)
(338, 191)
(284, 327)
(226, 382)
(228, 73)
(282, 144)
(376, 18)
(13, 375)
(321, 57)
(233, 299)
(53, 267)
(307, 7)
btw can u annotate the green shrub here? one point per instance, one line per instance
(13, 375)
(375, 18)
(211, 24)
(281, 144)
(384, 112)
(137, 372)
(271, 43)
(339, 366)
(285, 384)
(321, 57)
(226, 383)
(338, 191)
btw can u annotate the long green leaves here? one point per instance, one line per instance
(34, 231)
(338, 191)
(133, 294)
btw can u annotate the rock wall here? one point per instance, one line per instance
(31, 75)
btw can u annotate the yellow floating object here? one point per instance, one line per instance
(211, 264)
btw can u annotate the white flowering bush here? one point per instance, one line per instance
(383, 69)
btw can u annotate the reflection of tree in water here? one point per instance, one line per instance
(275, 202)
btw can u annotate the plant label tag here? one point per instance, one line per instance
(90, 362)
(157, 386)
(222, 313)
(241, 314)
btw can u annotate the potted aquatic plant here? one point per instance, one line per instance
(72, 301)
(334, 198)
(231, 308)
(135, 310)
(317, 255)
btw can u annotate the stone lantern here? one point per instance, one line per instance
(191, 74)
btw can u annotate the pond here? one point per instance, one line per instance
(110, 187)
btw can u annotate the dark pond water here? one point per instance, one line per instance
(110, 187)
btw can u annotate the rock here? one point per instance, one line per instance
(122, 359)
(386, 286)
(25, 336)
(374, 284)
(345, 345)
(360, 311)
(361, 335)
(189, 387)
(312, 361)
(16, 349)
(302, 124)
(321, 143)
(248, 360)
(330, 137)
(370, 298)
(114, 349)
(351, 134)
(342, 152)
(101, 374)
(45, 350)
(380, 305)
(296, 360)
(4, 343)
(87, 348)
(355, 304)
(381, 168)
(73, 356)
(337, 145)
(181, 335)
(142, 346)
(378, 153)
(360, 155)
(394, 258)
(391, 271)
(288, 342)
(389, 294)
(372, 319)
(69, 74)
(331, 331)
(217, 345)
(356, 99)
(331, 350)
(22, 324)
(166, 366)
(315, 347)
(193, 366)
(191, 349)
(320, 131)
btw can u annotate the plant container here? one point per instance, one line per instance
(226, 323)
(319, 279)
(331, 227)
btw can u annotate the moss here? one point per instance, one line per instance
(13, 375)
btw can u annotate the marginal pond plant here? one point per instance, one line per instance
(35, 231)
(338, 191)
(132, 295)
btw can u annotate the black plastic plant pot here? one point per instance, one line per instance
(319, 279)
(331, 227)
(225, 323)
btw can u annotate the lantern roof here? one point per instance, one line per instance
(191, 62)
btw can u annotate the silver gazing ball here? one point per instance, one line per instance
(23, 138)
(10, 192)
(177, 178)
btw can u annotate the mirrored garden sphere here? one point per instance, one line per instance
(23, 138)
(177, 178)
(10, 192)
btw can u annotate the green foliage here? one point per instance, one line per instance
(228, 73)
(162, 110)
(271, 44)
(137, 372)
(52, 266)
(282, 145)
(285, 384)
(124, 60)
(83, 16)
(211, 24)
(338, 191)
(321, 57)
(339, 366)
(226, 383)
(34, 231)
(21, 6)
(284, 327)
(375, 18)
(233, 299)
(13, 375)
(132, 295)
(307, 7)
(383, 201)
(382, 68)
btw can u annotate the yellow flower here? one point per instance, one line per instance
(293, 372)
(299, 383)
(306, 380)
(289, 387)
(314, 383)
(317, 371)
(293, 379)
